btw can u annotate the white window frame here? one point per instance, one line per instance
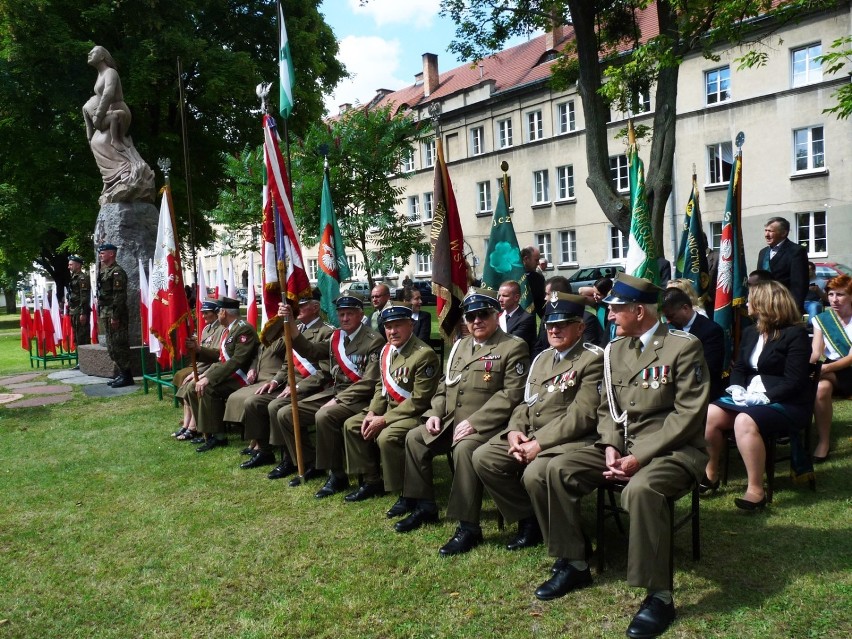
(352, 263)
(617, 244)
(542, 241)
(413, 216)
(535, 126)
(811, 71)
(428, 206)
(430, 153)
(619, 173)
(483, 197)
(313, 265)
(715, 235)
(407, 164)
(719, 156)
(567, 247)
(477, 140)
(565, 183)
(717, 85)
(504, 133)
(541, 187)
(423, 263)
(566, 117)
(813, 225)
(808, 144)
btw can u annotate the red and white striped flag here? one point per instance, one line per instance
(200, 294)
(26, 323)
(144, 304)
(93, 305)
(251, 312)
(221, 285)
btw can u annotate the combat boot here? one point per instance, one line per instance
(125, 380)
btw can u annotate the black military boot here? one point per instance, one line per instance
(126, 379)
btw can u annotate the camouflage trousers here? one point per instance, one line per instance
(118, 345)
(80, 326)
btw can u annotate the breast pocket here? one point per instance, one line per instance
(487, 375)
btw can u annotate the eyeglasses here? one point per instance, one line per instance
(475, 315)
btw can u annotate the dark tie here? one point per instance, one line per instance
(346, 340)
(636, 343)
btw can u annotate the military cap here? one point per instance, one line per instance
(106, 246)
(315, 296)
(349, 300)
(75, 258)
(564, 307)
(627, 289)
(209, 306)
(229, 303)
(392, 312)
(480, 298)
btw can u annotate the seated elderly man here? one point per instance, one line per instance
(650, 425)
(409, 378)
(484, 382)
(559, 413)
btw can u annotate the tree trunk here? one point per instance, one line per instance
(11, 301)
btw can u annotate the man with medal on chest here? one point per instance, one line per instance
(650, 439)
(410, 370)
(558, 414)
(484, 382)
(353, 357)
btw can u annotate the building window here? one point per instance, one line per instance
(477, 141)
(619, 173)
(542, 240)
(617, 244)
(504, 133)
(565, 182)
(408, 161)
(429, 153)
(644, 105)
(720, 161)
(483, 197)
(806, 68)
(508, 192)
(352, 262)
(414, 209)
(717, 85)
(541, 188)
(565, 117)
(424, 263)
(715, 235)
(312, 269)
(568, 247)
(809, 148)
(428, 206)
(535, 126)
(812, 229)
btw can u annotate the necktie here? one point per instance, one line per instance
(346, 340)
(476, 347)
(636, 343)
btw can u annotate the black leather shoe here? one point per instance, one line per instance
(652, 620)
(282, 470)
(310, 473)
(334, 485)
(750, 506)
(125, 379)
(365, 491)
(402, 506)
(558, 565)
(198, 440)
(114, 379)
(417, 518)
(248, 450)
(463, 541)
(529, 535)
(210, 444)
(262, 458)
(562, 582)
(705, 485)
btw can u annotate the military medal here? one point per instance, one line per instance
(487, 376)
(665, 378)
(645, 378)
(571, 377)
(655, 372)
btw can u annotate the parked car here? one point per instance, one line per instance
(828, 270)
(360, 287)
(425, 288)
(588, 275)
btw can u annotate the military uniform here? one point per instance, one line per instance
(112, 305)
(413, 370)
(268, 361)
(226, 374)
(211, 336)
(79, 290)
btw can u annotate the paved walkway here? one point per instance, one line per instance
(40, 389)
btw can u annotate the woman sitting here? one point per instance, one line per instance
(422, 319)
(766, 392)
(832, 340)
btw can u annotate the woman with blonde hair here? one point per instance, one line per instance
(766, 391)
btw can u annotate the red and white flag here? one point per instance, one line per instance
(93, 304)
(56, 317)
(233, 293)
(26, 323)
(44, 327)
(200, 294)
(69, 344)
(144, 304)
(221, 286)
(251, 312)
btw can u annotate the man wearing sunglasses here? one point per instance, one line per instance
(484, 382)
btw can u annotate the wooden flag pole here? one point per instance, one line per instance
(291, 378)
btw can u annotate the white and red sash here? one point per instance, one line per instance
(239, 375)
(303, 365)
(390, 385)
(346, 365)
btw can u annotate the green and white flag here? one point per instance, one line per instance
(503, 260)
(641, 251)
(331, 262)
(285, 69)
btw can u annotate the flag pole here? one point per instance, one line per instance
(738, 196)
(187, 179)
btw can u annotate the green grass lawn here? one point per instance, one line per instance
(110, 528)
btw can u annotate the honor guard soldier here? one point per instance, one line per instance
(353, 358)
(227, 373)
(409, 378)
(79, 292)
(112, 308)
(558, 414)
(483, 384)
(651, 440)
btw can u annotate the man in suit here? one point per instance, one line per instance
(513, 319)
(353, 358)
(227, 373)
(558, 414)
(409, 377)
(651, 438)
(484, 382)
(677, 307)
(530, 256)
(787, 261)
(379, 296)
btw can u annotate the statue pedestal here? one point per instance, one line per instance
(94, 360)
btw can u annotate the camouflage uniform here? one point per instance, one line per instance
(112, 305)
(79, 289)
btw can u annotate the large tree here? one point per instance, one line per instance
(613, 62)
(227, 47)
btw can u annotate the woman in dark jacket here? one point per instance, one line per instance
(422, 319)
(767, 391)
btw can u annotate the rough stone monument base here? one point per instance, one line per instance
(94, 360)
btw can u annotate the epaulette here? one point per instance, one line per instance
(515, 337)
(331, 326)
(594, 348)
(617, 339)
(679, 333)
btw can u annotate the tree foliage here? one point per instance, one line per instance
(226, 49)
(837, 59)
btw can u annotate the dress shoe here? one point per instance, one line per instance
(125, 379)
(706, 486)
(262, 458)
(463, 541)
(282, 470)
(559, 564)
(417, 518)
(750, 506)
(365, 491)
(310, 473)
(529, 535)
(210, 444)
(402, 506)
(200, 439)
(653, 619)
(114, 379)
(248, 450)
(333, 485)
(562, 582)
(821, 459)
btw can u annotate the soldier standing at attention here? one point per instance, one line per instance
(79, 289)
(112, 307)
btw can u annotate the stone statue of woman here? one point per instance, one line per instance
(126, 176)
